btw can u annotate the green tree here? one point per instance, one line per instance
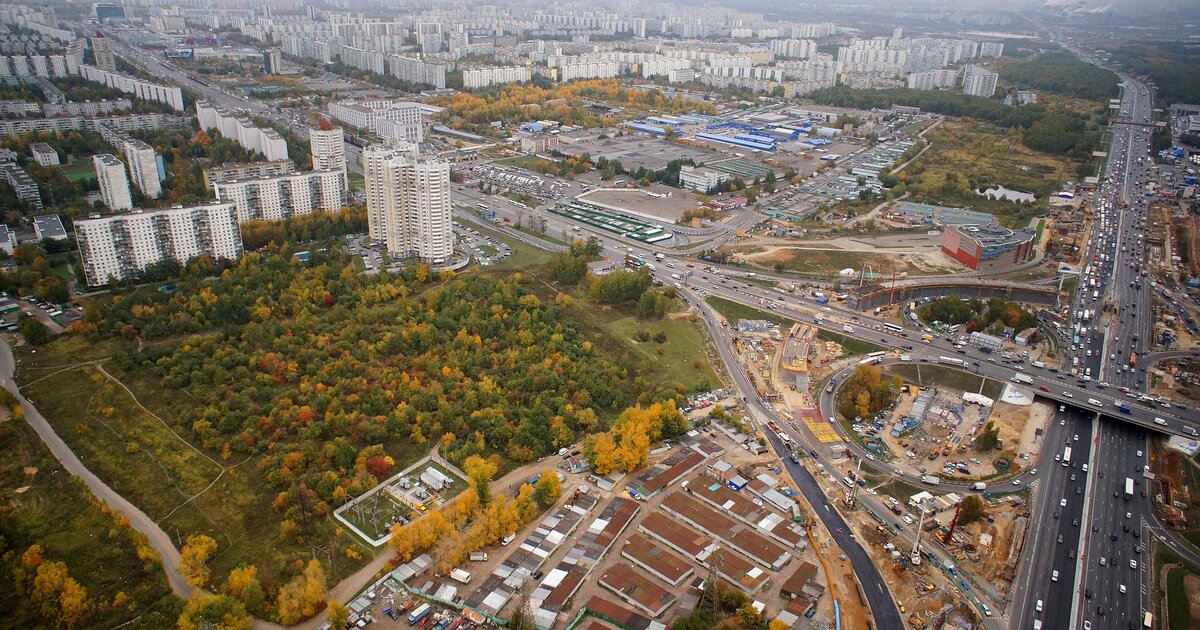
(33, 330)
(971, 509)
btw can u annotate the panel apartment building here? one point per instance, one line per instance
(265, 141)
(408, 203)
(283, 196)
(122, 246)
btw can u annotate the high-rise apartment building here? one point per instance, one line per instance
(328, 148)
(143, 167)
(272, 61)
(979, 82)
(114, 186)
(102, 51)
(408, 203)
(122, 246)
(283, 196)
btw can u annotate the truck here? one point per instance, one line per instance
(931, 480)
(1132, 359)
(1022, 378)
(1038, 364)
(478, 556)
(460, 575)
(419, 613)
(821, 299)
(979, 485)
(659, 256)
(1128, 488)
(927, 338)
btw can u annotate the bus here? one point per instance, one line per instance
(890, 327)
(482, 207)
(1066, 456)
(1128, 488)
(952, 361)
(876, 354)
(870, 361)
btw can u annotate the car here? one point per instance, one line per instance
(1128, 515)
(1063, 503)
(1122, 588)
(1078, 490)
(1071, 554)
(1132, 563)
(1054, 576)
(1016, 482)
(1068, 394)
(1103, 561)
(1060, 538)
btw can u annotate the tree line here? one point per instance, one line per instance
(1062, 73)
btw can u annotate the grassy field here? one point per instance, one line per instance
(79, 170)
(945, 377)
(357, 181)
(46, 506)
(827, 263)
(850, 345)
(682, 357)
(733, 311)
(978, 154)
(523, 256)
(914, 128)
(531, 163)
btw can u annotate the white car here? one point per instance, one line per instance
(1062, 503)
(1128, 515)
(1054, 576)
(1133, 564)
(1122, 589)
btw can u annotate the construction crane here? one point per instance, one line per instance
(916, 552)
(953, 523)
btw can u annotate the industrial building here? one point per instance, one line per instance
(985, 247)
(122, 246)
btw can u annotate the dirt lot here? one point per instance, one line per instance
(830, 261)
(669, 209)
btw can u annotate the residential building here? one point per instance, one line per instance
(143, 167)
(283, 196)
(394, 120)
(73, 123)
(933, 79)
(145, 90)
(979, 82)
(481, 77)
(991, 49)
(44, 154)
(49, 226)
(408, 203)
(272, 61)
(102, 51)
(114, 186)
(415, 70)
(122, 246)
(263, 140)
(328, 148)
(86, 108)
(22, 184)
(247, 170)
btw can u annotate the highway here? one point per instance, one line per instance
(1044, 553)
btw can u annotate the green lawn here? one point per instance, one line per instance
(357, 181)
(733, 311)
(523, 256)
(531, 163)
(79, 170)
(682, 359)
(946, 377)
(46, 506)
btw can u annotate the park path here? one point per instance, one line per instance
(158, 539)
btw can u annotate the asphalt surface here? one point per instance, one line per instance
(1043, 554)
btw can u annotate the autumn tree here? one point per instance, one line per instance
(57, 595)
(193, 559)
(337, 615)
(479, 475)
(214, 612)
(548, 489)
(244, 585)
(971, 509)
(303, 596)
(601, 453)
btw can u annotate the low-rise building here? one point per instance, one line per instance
(22, 184)
(43, 154)
(700, 179)
(49, 226)
(8, 240)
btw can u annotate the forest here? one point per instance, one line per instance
(866, 392)
(1171, 65)
(1062, 73)
(992, 316)
(1043, 127)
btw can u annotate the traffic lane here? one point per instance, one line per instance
(883, 605)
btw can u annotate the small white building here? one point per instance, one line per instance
(435, 479)
(44, 154)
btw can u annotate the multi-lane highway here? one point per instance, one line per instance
(1046, 577)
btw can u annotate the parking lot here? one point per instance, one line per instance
(634, 152)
